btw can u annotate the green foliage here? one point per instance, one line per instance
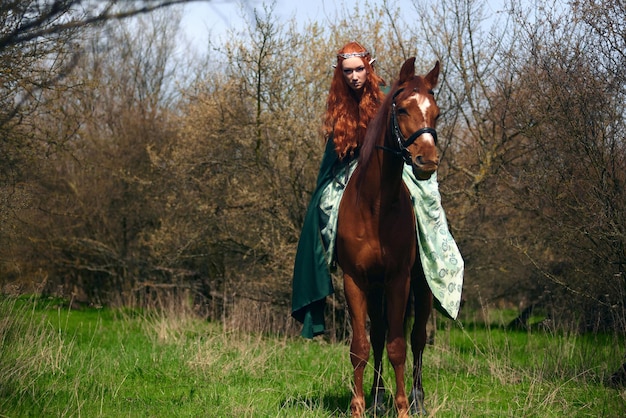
(100, 362)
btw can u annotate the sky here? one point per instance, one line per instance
(217, 16)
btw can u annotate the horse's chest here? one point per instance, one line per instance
(376, 237)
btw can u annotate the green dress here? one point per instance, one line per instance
(442, 262)
(312, 281)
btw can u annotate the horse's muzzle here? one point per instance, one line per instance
(423, 168)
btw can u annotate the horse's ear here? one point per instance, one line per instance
(408, 70)
(433, 76)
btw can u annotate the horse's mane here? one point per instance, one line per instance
(375, 130)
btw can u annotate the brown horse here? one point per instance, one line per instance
(377, 241)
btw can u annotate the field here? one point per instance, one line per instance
(169, 363)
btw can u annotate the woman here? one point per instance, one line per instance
(354, 98)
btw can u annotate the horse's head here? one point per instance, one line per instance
(414, 114)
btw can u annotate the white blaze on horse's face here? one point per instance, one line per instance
(424, 104)
(418, 115)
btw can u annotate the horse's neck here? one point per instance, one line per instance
(383, 179)
(391, 179)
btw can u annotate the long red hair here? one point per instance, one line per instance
(347, 115)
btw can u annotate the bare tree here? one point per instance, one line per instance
(91, 206)
(242, 151)
(535, 167)
(44, 34)
(41, 42)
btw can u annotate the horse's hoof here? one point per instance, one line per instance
(417, 403)
(357, 408)
(418, 410)
(378, 408)
(376, 411)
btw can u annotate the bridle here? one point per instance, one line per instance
(403, 142)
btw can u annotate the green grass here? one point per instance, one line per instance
(115, 363)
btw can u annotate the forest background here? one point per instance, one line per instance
(132, 168)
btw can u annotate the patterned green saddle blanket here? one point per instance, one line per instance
(440, 256)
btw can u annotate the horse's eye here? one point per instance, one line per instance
(402, 111)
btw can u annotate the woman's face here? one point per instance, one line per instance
(354, 72)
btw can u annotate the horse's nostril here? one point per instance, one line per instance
(420, 161)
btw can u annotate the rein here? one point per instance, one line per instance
(403, 142)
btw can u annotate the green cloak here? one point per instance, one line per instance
(312, 281)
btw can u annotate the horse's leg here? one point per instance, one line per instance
(397, 295)
(423, 306)
(377, 339)
(360, 346)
